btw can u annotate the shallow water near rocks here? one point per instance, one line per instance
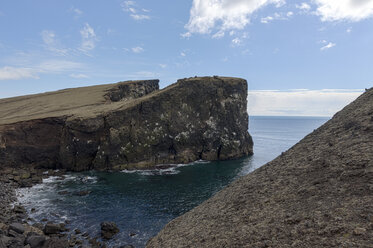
(142, 202)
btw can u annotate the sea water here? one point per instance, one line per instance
(142, 202)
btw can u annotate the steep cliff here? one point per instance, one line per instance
(317, 194)
(127, 125)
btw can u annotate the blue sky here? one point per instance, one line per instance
(288, 47)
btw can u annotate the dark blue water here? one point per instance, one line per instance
(141, 203)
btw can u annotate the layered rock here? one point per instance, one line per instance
(127, 125)
(317, 194)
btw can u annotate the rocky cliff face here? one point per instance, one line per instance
(127, 125)
(317, 194)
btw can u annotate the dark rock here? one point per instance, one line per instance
(38, 226)
(55, 242)
(108, 230)
(2, 244)
(51, 228)
(17, 227)
(95, 244)
(19, 209)
(127, 125)
(64, 192)
(77, 231)
(5, 240)
(127, 246)
(35, 241)
(16, 242)
(83, 193)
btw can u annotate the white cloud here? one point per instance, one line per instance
(136, 13)
(277, 16)
(299, 102)
(349, 30)
(163, 65)
(46, 67)
(344, 10)
(236, 41)
(52, 44)
(327, 46)
(14, 73)
(77, 12)
(78, 75)
(303, 6)
(223, 15)
(88, 38)
(140, 17)
(137, 49)
(182, 54)
(266, 19)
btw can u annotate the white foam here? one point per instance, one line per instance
(172, 170)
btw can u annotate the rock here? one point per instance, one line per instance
(19, 209)
(77, 231)
(83, 193)
(5, 240)
(3, 226)
(64, 192)
(2, 244)
(25, 175)
(51, 228)
(17, 227)
(359, 231)
(38, 226)
(127, 246)
(16, 243)
(108, 230)
(35, 241)
(313, 195)
(127, 125)
(55, 242)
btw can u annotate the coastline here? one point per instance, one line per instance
(17, 229)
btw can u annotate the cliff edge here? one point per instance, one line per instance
(317, 194)
(127, 125)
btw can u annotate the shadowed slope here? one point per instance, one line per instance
(317, 194)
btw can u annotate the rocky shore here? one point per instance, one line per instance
(319, 193)
(17, 230)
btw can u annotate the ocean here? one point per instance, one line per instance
(142, 202)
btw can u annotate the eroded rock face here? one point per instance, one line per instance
(127, 125)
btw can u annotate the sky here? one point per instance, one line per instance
(299, 57)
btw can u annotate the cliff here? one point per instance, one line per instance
(319, 193)
(127, 125)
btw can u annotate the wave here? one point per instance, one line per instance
(164, 169)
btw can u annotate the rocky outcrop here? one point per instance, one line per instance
(127, 125)
(317, 194)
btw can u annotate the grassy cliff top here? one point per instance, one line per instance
(84, 101)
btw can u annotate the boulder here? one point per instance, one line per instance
(55, 242)
(35, 241)
(17, 227)
(51, 228)
(108, 230)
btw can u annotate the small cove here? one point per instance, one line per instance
(142, 202)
